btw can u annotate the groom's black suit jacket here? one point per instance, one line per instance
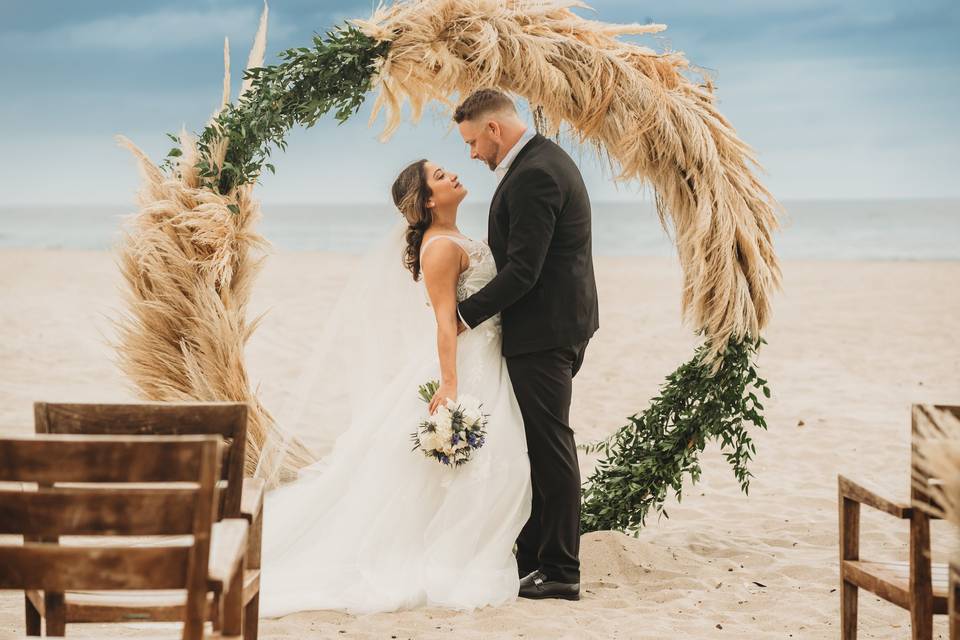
(539, 234)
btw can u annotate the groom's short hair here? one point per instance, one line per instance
(483, 102)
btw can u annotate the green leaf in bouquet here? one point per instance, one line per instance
(427, 390)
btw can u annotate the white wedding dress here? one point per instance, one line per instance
(375, 526)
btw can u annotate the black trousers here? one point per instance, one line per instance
(543, 384)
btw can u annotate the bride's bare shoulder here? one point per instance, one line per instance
(441, 254)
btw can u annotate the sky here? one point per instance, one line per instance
(841, 100)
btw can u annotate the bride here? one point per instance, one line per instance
(374, 526)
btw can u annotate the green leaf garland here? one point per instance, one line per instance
(657, 449)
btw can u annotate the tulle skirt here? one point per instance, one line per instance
(375, 526)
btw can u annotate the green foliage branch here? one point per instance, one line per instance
(656, 450)
(335, 74)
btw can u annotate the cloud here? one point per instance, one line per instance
(165, 28)
(811, 28)
(839, 99)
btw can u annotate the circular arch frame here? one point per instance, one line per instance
(189, 256)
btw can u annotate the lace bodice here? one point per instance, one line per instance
(479, 272)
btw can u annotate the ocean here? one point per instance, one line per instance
(812, 229)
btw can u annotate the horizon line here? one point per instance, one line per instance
(306, 203)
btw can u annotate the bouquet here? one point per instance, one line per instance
(451, 434)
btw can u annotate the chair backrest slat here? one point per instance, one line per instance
(85, 459)
(52, 567)
(225, 419)
(91, 511)
(140, 418)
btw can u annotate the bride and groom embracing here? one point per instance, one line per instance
(379, 528)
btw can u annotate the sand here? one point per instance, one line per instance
(851, 346)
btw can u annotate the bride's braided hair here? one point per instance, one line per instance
(410, 195)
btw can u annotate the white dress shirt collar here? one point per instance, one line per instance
(504, 165)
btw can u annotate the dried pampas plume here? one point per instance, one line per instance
(258, 50)
(936, 459)
(633, 104)
(225, 100)
(189, 263)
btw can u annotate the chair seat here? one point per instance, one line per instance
(113, 606)
(891, 581)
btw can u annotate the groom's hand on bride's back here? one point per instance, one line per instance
(460, 326)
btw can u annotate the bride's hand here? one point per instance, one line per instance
(446, 391)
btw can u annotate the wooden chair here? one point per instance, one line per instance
(953, 605)
(105, 487)
(916, 585)
(239, 497)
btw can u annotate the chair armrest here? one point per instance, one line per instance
(251, 499)
(228, 546)
(860, 493)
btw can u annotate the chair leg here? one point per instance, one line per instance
(848, 611)
(216, 608)
(849, 550)
(954, 618)
(953, 602)
(921, 585)
(32, 617)
(233, 606)
(251, 618)
(55, 611)
(921, 626)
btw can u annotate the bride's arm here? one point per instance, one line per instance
(441, 266)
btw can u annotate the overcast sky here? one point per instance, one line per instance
(853, 99)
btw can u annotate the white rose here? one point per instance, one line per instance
(443, 435)
(443, 417)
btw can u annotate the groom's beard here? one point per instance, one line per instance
(492, 160)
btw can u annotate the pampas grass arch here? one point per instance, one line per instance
(188, 256)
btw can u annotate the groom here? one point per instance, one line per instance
(539, 234)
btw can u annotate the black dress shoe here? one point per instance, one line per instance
(537, 587)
